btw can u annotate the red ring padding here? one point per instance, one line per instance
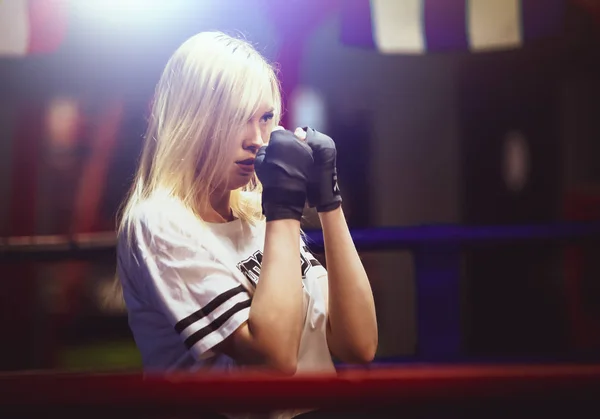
(412, 385)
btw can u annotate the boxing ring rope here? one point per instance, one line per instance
(415, 389)
(78, 246)
(436, 253)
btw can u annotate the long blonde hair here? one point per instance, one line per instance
(211, 86)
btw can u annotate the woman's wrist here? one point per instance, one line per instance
(289, 224)
(329, 215)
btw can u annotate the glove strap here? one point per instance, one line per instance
(325, 194)
(281, 204)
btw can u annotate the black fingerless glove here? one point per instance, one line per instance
(283, 168)
(323, 189)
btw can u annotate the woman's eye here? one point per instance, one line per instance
(267, 117)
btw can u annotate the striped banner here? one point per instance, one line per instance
(421, 26)
(31, 26)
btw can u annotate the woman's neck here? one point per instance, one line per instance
(220, 211)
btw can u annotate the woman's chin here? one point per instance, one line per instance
(239, 183)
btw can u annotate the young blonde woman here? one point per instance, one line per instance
(210, 256)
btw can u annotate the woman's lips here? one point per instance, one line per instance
(247, 162)
(246, 165)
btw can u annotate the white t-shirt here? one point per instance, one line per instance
(189, 285)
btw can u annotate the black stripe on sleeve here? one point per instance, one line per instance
(207, 309)
(216, 324)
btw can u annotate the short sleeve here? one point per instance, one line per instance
(201, 296)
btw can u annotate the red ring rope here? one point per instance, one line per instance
(407, 385)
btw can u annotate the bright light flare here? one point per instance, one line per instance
(131, 12)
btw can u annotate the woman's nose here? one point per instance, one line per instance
(254, 139)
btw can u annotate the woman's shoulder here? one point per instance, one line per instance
(164, 218)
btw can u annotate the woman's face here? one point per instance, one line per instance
(253, 135)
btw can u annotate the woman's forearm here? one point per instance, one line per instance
(276, 310)
(352, 328)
